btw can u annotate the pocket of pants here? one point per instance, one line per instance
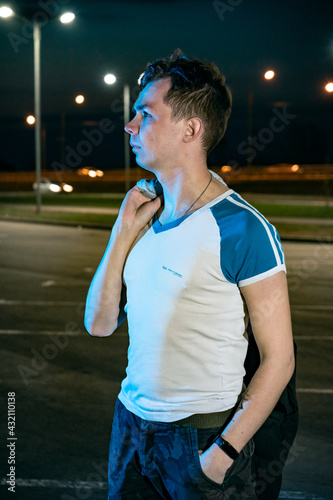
(238, 474)
(199, 474)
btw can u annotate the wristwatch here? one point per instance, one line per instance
(226, 447)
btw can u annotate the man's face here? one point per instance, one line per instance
(156, 139)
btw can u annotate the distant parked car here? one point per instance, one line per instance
(46, 187)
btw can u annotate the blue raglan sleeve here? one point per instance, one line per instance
(250, 247)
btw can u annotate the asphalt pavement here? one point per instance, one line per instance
(61, 384)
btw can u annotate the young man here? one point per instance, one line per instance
(181, 266)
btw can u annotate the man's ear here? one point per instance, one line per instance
(193, 130)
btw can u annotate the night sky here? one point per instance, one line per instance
(292, 114)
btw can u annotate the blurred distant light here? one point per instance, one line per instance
(110, 79)
(269, 74)
(30, 120)
(91, 172)
(329, 87)
(55, 188)
(67, 187)
(90, 123)
(295, 168)
(68, 17)
(79, 99)
(6, 11)
(226, 168)
(281, 104)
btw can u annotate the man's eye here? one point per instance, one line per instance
(145, 114)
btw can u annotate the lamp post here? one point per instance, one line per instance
(38, 117)
(6, 12)
(110, 79)
(269, 75)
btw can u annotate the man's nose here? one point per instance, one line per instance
(132, 127)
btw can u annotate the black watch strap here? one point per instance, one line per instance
(226, 447)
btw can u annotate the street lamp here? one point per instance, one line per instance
(67, 17)
(268, 75)
(110, 79)
(6, 12)
(329, 87)
(30, 120)
(79, 99)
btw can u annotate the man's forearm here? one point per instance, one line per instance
(258, 400)
(104, 305)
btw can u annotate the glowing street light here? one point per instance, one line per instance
(31, 120)
(269, 74)
(67, 17)
(79, 99)
(6, 12)
(329, 87)
(110, 79)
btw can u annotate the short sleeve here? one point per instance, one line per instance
(250, 247)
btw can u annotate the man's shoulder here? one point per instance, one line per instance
(239, 216)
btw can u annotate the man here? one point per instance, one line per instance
(181, 266)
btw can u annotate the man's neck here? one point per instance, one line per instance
(186, 192)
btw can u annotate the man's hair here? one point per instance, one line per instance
(197, 89)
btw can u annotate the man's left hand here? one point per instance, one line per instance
(215, 463)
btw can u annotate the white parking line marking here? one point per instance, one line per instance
(4, 302)
(48, 283)
(88, 270)
(54, 483)
(101, 485)
(328, 307)
(313, 337)
(300, 495)
(39, 332)
(314, 391)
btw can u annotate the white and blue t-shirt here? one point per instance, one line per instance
(185, 311)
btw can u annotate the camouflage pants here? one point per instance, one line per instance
(154, 460)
